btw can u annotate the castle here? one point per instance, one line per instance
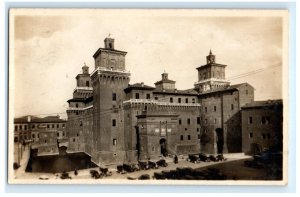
(116, 122)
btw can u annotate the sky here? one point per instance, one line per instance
(49, 47)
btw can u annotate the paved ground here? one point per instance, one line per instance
(230, 166)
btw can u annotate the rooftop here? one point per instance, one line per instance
(34, 119)
(266, 103)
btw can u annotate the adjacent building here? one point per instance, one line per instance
(262, 126)
(43, 133)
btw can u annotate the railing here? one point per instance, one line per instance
(83, 88)
(99, 69)
(147, 101)
(211, 79)
(75, 108)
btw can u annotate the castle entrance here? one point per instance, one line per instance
(163, 147)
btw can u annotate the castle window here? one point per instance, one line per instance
(33, 136)
(185, 129)
(63, 126)
(57, 134)
(193, 100)
(246, 91)
(269, 136)
(179, 121)
(114, 96)
(189, 137)
(263, 136)
(77, 113)
(156, 98)
(232, 107)
(87, 83)
(113, 122)
(25, 127)
(76, 105)
(33, 126)
(179, 100)
(16, 128)
(137, 96)
(205, 109)
(110, 45)
(48, 126)
(250, 120)
(148, 96)
(189, 121)
(57, 126)
(53, 126)
(205, 121)
(171, 99)
(250, 135)
(45, 141)
(181, 137)
(186, 100)
(80, 122)
(73, 139)
(215, 108)
(114, 141)
(265, 120)
(153, 148)
(198, 120)
(20, 127)
(77, 134)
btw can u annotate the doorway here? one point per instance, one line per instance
(220, 140)
(163, 147)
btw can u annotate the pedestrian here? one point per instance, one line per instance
(175, 159)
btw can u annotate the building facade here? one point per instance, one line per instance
(42, 133)
(262, 126)
(116, 122)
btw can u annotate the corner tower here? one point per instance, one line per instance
(211, 75)
(109, 79)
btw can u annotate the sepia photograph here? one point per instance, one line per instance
(148, 96)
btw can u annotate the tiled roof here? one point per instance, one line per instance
(34, 119)
(138, 86)
(175, 91)
(105, 49)
(213, 64)
(266, 103)
(164, 81)
(224, 89)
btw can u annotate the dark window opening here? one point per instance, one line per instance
(76, 105)
(53, 126)
(137, 96)
(250, 135)
(73, 139)
(185, 129)
(269, 136)
(156, 98)
(193, 100)
(265, 120)
(57, 126)
(232, 107)
(114, 96)
(189, 121)
(87, 83)
(57, 134)
(198, 120)
(48, 126)
(264, 136)
(171, 100)
(250, 120)
(215, 108)
(148, 96)
(114, 122)
(110, 45)
(205, 109)
(181, 137)
(179, 121)
(179, 100)
(16, 128)
(189, 137)
(33, 126)
(186, 100)
(25, 127)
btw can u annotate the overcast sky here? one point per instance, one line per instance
(51, 47)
